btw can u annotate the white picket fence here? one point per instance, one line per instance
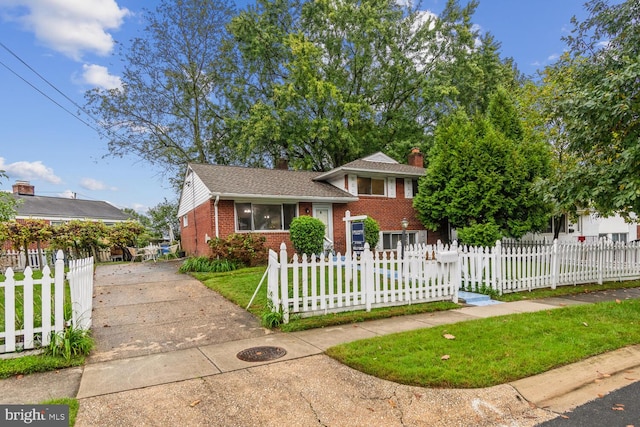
(318, 286)
(312, 286)
(31, 331)
(17, 260)
(518, 269)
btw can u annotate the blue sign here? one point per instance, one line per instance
(357, 236)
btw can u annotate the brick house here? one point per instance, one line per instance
(56, 210)
(217, 201)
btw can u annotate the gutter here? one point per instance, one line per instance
(215, 214)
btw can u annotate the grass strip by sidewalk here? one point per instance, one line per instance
(496, 350)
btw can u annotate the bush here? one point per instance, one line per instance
(241, 248)
(480, 235)
(371, 232)
(70, 343)
(307, 235)
(207, 265)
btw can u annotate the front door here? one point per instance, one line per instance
(324, 213)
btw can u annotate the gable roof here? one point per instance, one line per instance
(236, 182)
(377, 163)
(62, 208)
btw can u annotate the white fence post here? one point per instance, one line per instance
(555, 265)
(81, 285)
(284, 283)
(367, 276)
(9, 311)
(58, 305)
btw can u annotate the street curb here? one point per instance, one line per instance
(562, 389)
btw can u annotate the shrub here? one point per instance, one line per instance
(241, 248)
(207, 265)
(307, 235)
(70, 343)
(371, 232)
(480, 235)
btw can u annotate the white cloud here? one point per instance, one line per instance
(72, 27)
(98, 76)
(30, 171)
(94, 184)
(553, 57)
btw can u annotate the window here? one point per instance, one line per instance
(414, 186)
(390, 240)
(615, 237)
(259, 217)
(555, 223)
(185, 221)
(372, 186)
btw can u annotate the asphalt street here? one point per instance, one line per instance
(618, 408)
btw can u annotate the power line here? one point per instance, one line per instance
(45, 95)
(108, 131)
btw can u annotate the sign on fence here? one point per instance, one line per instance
(357, 236)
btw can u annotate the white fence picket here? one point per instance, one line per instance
(369, 280)
(28, 335)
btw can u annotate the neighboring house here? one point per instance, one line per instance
(217, 201)
(586, 228)
(57, 210)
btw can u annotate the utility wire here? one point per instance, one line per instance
(108, 131)
(45, 95)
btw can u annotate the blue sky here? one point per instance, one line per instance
(72, 47)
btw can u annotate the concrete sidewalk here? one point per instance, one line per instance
(167, 354)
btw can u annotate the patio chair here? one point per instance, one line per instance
(137, 253)
(172, 252)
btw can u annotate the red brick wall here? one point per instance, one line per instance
(200, 224)
(388, 212)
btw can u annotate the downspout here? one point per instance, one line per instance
(215, 214)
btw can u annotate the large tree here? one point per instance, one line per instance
(480, 176)
(170, 109)
(324, 82)
(598, 104)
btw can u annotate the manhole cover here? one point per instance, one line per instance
(261, 354)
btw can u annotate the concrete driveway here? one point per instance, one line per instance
(146, 308)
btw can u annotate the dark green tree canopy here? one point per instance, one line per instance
(598, 104)
(479, 174)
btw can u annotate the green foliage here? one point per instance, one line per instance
(207, 265)
(246, 249)
(71, 342)
(127, 233)
(597, 101)
(478, 359)
(164, 216)
(307, 235)
(371, 232)
(308, 98)
(478, 175)
(25, 365)
(172, 107)
(271, 318)
(484, 235)
(8, 205)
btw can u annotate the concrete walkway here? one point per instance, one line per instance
(167, 354)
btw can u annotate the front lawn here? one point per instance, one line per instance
(497, 350)
(238, 286)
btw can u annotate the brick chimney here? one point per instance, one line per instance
(24, 188)
(416, 158)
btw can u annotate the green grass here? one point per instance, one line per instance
(496, 350)
(73, 407)
(36, 363)
(238, 287)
